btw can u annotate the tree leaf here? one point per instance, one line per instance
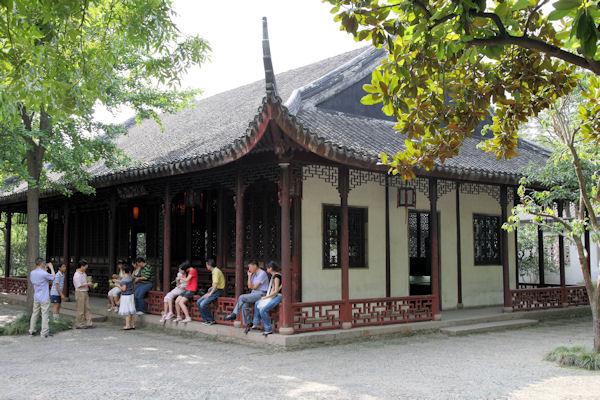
(567, 4)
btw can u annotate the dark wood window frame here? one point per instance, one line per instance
(491, 240)
(357, 226)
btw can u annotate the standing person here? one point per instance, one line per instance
(170, 297)
(258, 282)
(127, 305)
(82, 287)
(188, 293)
(58, 290)
(115, 292)
(143, 284)
(218, 284)
(268, 302)
(41, 296)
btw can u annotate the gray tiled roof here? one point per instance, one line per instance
(372, 136)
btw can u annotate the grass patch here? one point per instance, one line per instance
(20, 326)
(576, 356)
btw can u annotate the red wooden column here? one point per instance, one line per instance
(344, 189)
(458, 249)
(516, 202)
(504, 243)
(435, 249)
(561, 259)
(65, 252)
(221, 258)
(188, 224)
(297, 240)
(167, 240)
(8, 240)
(112, 234)
(239, 235)
(388, 268)
(541, 257)
(286, 324)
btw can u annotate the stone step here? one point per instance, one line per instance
(488, 327)
(73, 314)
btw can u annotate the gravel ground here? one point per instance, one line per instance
(105, 363)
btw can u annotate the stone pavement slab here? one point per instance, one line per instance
(488, 327)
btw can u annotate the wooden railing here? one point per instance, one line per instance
(15, 285)
(391, 310)
(548, 297)
(317, 316)
(220, 308)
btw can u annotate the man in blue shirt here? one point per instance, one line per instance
(41, 295)
(258, 282)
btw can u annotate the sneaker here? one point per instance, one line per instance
(110, 309)
(163, 318)
(267, 333)
(209, 322)
(140, 313)
(178, 319)
(116, 309)
(32, 333)
(48, 335)
(185, 321)
(247, 329)
(170, 315)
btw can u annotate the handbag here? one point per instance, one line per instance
(261, 303)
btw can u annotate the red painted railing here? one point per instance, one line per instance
(220, 308)
(2, 284)
(549, 297)
(16, 285)
(317, 316)
(392, 310)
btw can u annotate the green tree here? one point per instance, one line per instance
(450, 62)
(59, 60)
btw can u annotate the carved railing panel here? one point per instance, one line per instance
(16, 286)
(536, 299)
(577, 296)
(391, 310)
(2, 284)
(316, 316)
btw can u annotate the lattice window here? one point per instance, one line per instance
(486, 235)
(357, 239)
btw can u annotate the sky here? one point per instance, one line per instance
(300, 32)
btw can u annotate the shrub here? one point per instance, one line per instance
(20, 326)
(576, 356)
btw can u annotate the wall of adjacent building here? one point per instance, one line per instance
(482, 285)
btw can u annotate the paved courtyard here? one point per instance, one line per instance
(105, 363)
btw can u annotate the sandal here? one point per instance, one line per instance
(81, 327)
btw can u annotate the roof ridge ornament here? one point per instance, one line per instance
(270, 83)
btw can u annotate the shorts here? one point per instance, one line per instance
(114, 292)
(55, 299)
(172, 295)
(188, 294)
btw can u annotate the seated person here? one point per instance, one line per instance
(188, 293)
(258, 282)
(268, 302)
(169, 299)
(114, 294)
(218, 284)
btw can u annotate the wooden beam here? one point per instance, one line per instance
(344, 189)
(458, 249)
(388, 269)
(435, 249)
(286, 325)
(504, 244)
(167, 240)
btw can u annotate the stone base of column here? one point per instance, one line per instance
(346, 325)
(564, 305)
(286, 331)
(237, 324)
(507, 309)
(437, 317)
(460, 306)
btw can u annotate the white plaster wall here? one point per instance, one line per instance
(482, 284)
(320, 284)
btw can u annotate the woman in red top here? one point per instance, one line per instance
(188, 292)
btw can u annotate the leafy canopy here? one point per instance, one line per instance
(452, 61)
(59, 59)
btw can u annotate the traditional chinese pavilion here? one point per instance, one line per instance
(286, 169)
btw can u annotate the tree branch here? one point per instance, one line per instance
(536, 44)
(494, 17)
